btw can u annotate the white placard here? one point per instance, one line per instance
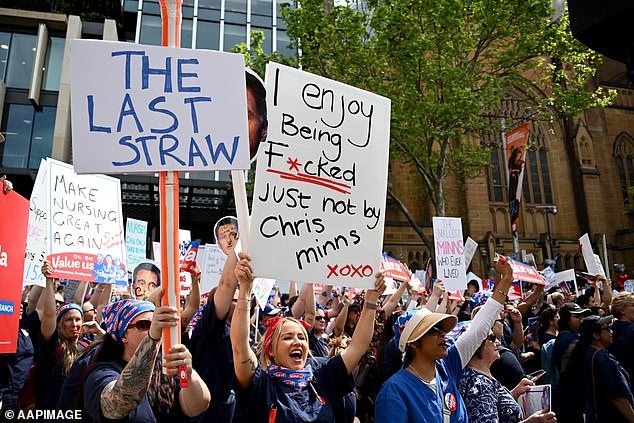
(470, 248)
(141, 108)
(135, 241)
(36, 234)
(321, 180)
(156, 249)
(449, 248)
(566, 276)
(214, 263)
(85, 227)
(593, 262)
(261, 290)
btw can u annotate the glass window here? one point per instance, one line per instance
(224, 175)
(264, 21)
(209, 15)
(152, 7)
(20, 62)
(262, 7)
(534, 175)
(545, 172)
(234, 34)
(53, 64)
(209, 4)
(42, 138)
(130, 6)
(624, 185)
(236, 6)
(496, 177)
(187, 11)
(5, 42)
(283, 44)
(208, 35)
(186, 33)
(236, 17)
(150, 30)
(19, 122)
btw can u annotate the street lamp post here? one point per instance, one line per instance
(550, 210)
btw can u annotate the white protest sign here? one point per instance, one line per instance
(135, 241)
(449, 249)
(261, 290)
(214, 263)
(184, 238)
(36, 234)
(321, 180)
(567, 276)
(156, 250)
(141, 108)
(470, 248)
(593, 262)
(85, 226)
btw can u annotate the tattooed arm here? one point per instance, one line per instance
(244, 360)
(125, 394)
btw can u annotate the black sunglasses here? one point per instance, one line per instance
(491, 337)
(320, 318)
(435, 330)
(142, 325)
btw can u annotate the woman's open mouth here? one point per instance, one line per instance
(297, 355)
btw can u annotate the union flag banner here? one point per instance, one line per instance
(515, 142)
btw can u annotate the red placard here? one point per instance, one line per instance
(394, 269)
(13, 228)
(525, 273)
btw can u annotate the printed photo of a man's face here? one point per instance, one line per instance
(226, 233)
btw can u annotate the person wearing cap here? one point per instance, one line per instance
(607, 393)
(426, 388)
(59, 332)
(622, 308)
(282, 386)
(265, 315)
(125, 379)
(565, 400)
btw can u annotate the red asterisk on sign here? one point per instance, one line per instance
(294, 164)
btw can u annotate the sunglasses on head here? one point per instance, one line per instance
(320, 318)
(141, 325)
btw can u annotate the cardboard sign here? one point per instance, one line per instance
(593, 262)
(261, 290)
(12, 244)
(213, 265)
(36, 235)
(85, 226)
(140, 108)
(470, 247)
(535, 399)
(135, 241)
(450, 264)
(525, 273)
(321, 180)
(394, 269)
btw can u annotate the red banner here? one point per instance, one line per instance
(516, 157)
(13, 228)
(394, 269)
(525, 273)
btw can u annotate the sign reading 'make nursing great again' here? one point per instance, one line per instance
(139, 108)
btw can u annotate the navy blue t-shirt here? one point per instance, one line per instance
(104, 373)
(13, 370)
(610, 381)
(212, 357)
(562, 343)
(74, 380)
(623, 344)
(392, 359)
(50, 373)
(507, 369)
(316, 403)
(318, 345)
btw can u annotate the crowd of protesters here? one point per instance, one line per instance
(329, 357)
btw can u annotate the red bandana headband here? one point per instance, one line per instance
(274, 323)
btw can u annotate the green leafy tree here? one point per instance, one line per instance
(446, 65)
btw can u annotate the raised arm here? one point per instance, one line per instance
(365, 327)
(482, 323)
(193, 302)
(245, 362)
(80, 293)
(340, 320)
(226, 287)
(518, 329)
(437, 290)
(101, 299)
(292, 289)
(195, 398)
(392, 302)
(525, 306)
(34, 297)
(311, 308)
(606, 299)
(123, 395)
(49, 312)
(325, 296)
(300, 304)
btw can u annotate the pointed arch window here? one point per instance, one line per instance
(624, 157)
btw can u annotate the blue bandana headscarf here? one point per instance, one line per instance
(298, 379)
(400, 323)
(117, 316)
(67, 307)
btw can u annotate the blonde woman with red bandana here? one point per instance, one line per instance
(286, 385)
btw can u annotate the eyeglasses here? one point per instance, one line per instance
(320, 318)
(491, 337)
(436, 331)
(142, 325)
